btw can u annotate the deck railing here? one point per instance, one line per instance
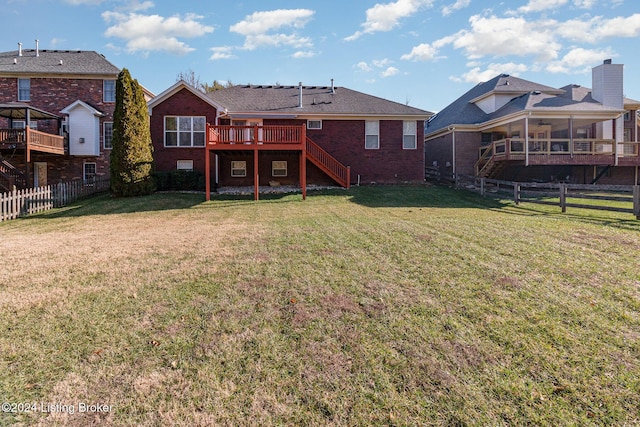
(33, 139)
(219, 134)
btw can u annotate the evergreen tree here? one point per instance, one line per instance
(132, 153)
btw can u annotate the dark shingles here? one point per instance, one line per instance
(56, 62)
(315, 100)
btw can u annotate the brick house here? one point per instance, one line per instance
(513, 129)
(256, 135)
(56, 116)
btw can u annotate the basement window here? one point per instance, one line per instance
(184, 165)
(89, 174)
(238, 169)
(279, 168)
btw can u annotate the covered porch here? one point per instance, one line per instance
(21, 139)
(561, 141)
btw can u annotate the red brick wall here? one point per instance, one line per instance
(183, 103)
(344, 140)
(53, 95)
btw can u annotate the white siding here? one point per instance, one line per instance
(84, 124)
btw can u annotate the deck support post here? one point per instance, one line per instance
(516, 193)
(482, 187)
(207, 174)
(256, 174)
(563, 197)
(636, 201)
(303, 173)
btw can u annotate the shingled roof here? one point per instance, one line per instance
(55, 62)
(316, 100)
(527, 96)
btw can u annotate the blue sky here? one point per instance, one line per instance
(422, 52)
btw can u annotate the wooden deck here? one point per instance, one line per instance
(31, 140)
(273, 138)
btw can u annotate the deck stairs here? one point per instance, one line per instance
(328, 164)
(11, 176)
(488, 167)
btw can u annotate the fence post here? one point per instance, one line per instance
(563, 197)
(516, 193)
(636, 201)
(482, 186)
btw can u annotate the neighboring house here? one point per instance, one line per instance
(513, 129)
(56, 116)
(261, 135)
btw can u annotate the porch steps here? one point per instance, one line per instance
(328, 164)
(10, 176)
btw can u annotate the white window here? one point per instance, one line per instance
(89, 173)
(279, 168)
(238, 168)
(21, 124)
(24, 89)
(108, 135)
(314, 124)
(109, 90)
(372, 135)
(184, 165)
(409, 140)
(184, 131)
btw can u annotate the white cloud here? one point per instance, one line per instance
(221, 52)
(599, 28)
(147, 33)
(259, 27)
(477, 75)
(540, 5)
(303, 54)
(422, 52)
(385, 17)
(391, 71)
(584, 4)
(459, 4)
(579, 59)
(363, 66)
(496, 37)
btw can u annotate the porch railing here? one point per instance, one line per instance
(219, 134)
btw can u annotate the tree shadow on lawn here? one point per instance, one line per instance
(420, 196)
(105, 204)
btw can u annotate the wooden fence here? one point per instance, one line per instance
(625, 197)
(16, 203)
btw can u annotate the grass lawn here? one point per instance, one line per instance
(373, 306)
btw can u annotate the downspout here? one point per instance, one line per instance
(615, 140)
(453, 151)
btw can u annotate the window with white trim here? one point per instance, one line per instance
(89, 173)
(372, 135)
(184, 131)
(24, 89)
(109, 90)
(314, 124)
(409, 133)
(238, 168)
(107, 135)
(21, 124)
(279, 168)
(184, 165)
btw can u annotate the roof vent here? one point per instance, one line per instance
(333, 88)
(300, 95)
(37, 48)
(15, 60)
(19, 49)
(536, 92)
(60, 62)
(607, 61)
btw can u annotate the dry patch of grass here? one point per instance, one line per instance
(383, 305)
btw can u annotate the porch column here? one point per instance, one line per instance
(256, 175)
(207, 174)
(571, 137)
(526, 141)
